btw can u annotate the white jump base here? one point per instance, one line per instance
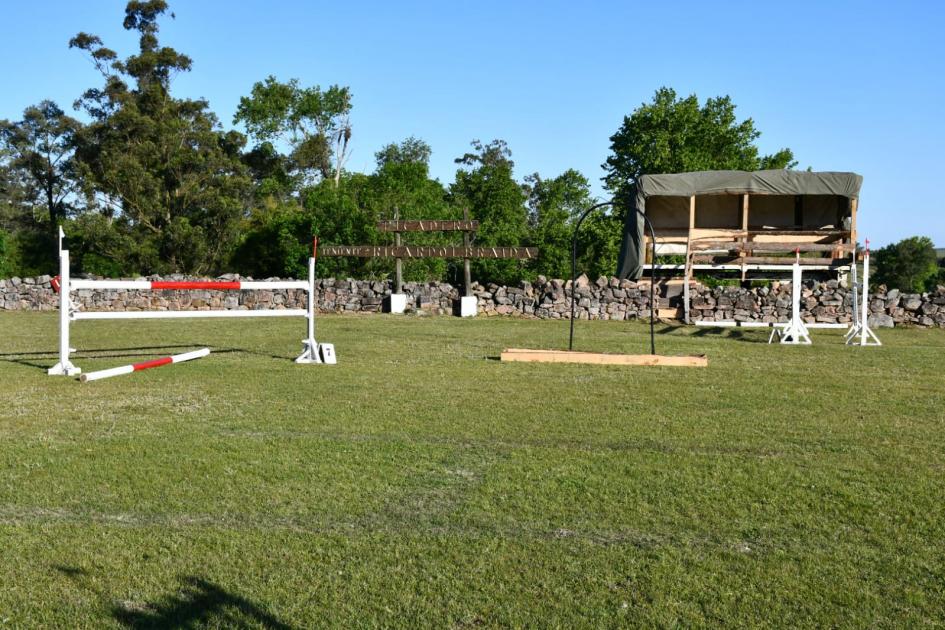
(312, 352)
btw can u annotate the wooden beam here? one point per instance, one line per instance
(428, 251)
(757, 230)
(787, 261)
(745, 229)
(597, 358)
(854, 202)
(761, 246)
(427, 226)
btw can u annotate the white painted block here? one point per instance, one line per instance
(327, 353)
(468, 306)
(398, 302)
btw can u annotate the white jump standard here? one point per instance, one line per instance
(860, 332)
(144, 365)
(795, 332)
(313, 352)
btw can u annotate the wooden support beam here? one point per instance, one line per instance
(399, 262)
(428, 226)
(745, 229)
(787, 261)
(756, 246)
(597, 358)
(757, 230)
(854, 203)
(428, 251)
(467, 272)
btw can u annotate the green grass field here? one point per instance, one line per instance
(421, 482)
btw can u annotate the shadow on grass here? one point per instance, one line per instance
(757, 335)
(198, 603)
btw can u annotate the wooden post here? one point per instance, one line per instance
(744, 230)
(398, 262)
(853, 207)
(467, 274)
(687, 273)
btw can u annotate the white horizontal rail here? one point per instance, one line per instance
(146, 285)
(287, 312)
(674, 267)
(735, 324)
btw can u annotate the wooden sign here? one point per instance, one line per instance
(427, 226)
(428, 251)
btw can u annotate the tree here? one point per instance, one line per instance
(484, 184)
(676, 135)
(401, 187)
(315, 123)
(41, 150)
(553, 206)
(410, 151)
(160, 167)
(909, 265)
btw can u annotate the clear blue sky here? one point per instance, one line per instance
(851, 86)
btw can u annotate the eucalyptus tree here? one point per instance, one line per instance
(165, 172)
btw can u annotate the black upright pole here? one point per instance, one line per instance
(577, 227)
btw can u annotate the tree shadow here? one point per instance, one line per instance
(199, 602)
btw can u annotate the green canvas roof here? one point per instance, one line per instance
(773, 182)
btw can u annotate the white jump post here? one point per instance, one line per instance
(860, 333)
(65, 366)
(796, 331)
(312, 352)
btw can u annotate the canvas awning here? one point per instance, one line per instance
(772, 182)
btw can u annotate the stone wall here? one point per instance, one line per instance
(607, 298)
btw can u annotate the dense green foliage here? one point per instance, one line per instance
(676, 135)
(168, 178)
(909, 265)
(418, 484)
(148, 182)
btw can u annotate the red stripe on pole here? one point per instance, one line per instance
(150, 364)
(195, 285)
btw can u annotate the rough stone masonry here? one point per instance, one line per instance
(606, 298)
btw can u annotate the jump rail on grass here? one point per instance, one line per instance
(69, 311)
(144, 365)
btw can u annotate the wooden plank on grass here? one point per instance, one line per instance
(598, 358)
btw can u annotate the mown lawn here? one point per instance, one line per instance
(421, 482)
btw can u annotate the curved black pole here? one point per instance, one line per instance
(577, 226)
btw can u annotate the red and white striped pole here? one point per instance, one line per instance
(137, 367)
